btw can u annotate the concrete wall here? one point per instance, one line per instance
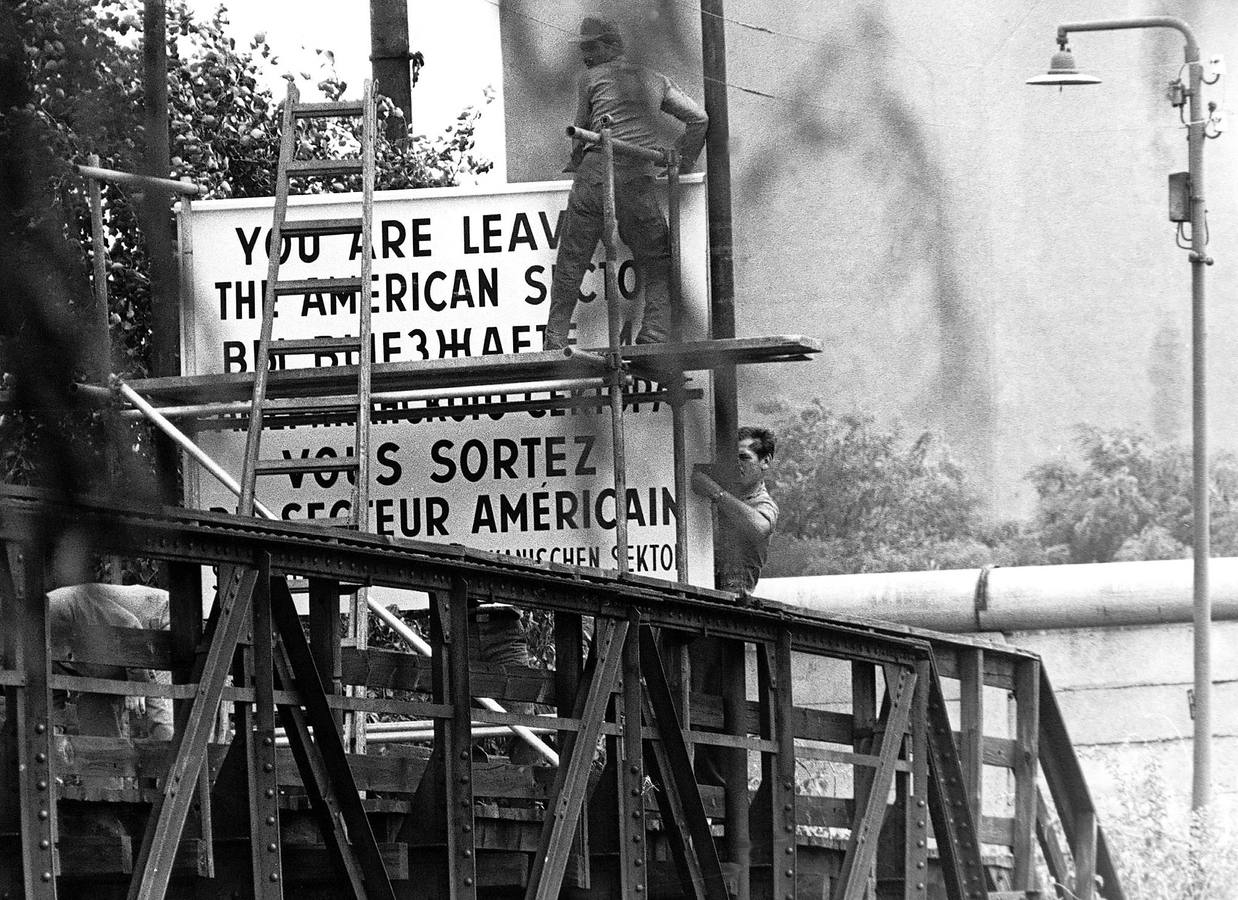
(979, 256)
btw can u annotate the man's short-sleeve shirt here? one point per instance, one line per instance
(738, 562)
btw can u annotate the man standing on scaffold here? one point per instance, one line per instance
(633, 97)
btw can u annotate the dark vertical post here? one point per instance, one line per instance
(324, 636)
(35, 750)
(389, 52)
(718, 184)
(735, 765)
(157, 229)
(569, 665)
(266, 862)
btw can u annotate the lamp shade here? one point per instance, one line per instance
(1063, 71)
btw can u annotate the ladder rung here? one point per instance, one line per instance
(343, 108)
(311, 404)
(313, 345)
(321, 227)
(318, 286)
(308, 464)
(324, 167)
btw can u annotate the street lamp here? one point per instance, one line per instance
(1189, 195)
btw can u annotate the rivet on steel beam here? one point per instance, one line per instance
(270, 793)
(40, 757)
(42, 814)
(920, 822)
(919, 843)
(41, 785)
(640, 888)
(788, 785)
(787, 807)
(464, 803)
(790, 874)
(636, 839)
(464, 779)
(266, 742)
(270, 820)
(275, 876)
(39, 728)
(468, 854)
(468, 881)
(920, 864)
(43, 845)
(790, 850)
(635, 770)
(268, 767)
(790, 828)
(464, 754)
(271, 848)
(47, 876)
(467, 828)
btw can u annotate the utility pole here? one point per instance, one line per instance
(157, 229)
(389, 59)
(718, 198)
(726, 416)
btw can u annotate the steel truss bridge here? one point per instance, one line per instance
(881, 794)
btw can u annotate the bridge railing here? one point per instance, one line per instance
(902, 733)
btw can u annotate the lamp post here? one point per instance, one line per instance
(1063, 72)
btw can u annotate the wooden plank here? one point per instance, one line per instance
(477, 370)
(133, 648)
(1027, 738)
(971, 722)
(396, 670)
(1051, 847)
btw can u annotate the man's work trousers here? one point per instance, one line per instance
(642, 227)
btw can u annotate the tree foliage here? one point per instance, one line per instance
(856, 497)
(80, 66)
(1129, 499)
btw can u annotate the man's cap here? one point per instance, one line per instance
(593, 28)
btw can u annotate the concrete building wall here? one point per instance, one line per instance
(978, 256)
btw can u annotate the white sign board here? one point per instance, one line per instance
(456, 272)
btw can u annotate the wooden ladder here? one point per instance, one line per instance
(357, 404)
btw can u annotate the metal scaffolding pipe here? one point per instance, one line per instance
(418, 643)
(182, 441)
(409, 636)
(132, 179)
(235, 407)
(1019, 598)
(623, 148)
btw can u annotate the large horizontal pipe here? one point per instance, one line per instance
(1019, 598)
